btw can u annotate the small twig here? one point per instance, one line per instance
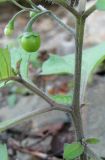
(39, 92)
(33, 5)
(36, 90)
(69, 29)
(89, 11)
(17, 4)
(13, 144)
(45, 11)
(68, 7)
(13, 122)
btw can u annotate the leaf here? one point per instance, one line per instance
(100, 4)
(63, 99)
(3, 152)
(92, 140)
(18, 54)
(55, 65)
(65, 65)
(5, 63)
(73, 150)
(91, 60)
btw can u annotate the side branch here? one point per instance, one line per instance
(44, 11)
(89, 11)
(43, 95)
(67, 6)
(13, 122)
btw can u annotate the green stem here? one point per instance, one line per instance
(20, 12)
(33, 5)
(15, 121)
(89, 11)
(80, 23)
(17, 4)
(78, 63)
(32, 20)
(67, 6)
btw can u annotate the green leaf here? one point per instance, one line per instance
(72, 151)
(92, 140)
(100, 4)
(55, 65)
(18, 54)
(5, 63)
(63, 99)
(65, 65)
(3, 152)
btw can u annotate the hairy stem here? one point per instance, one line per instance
(80, 23)
(43, 95)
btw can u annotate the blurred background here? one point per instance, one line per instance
(43, 137)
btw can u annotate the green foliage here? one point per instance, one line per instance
(65, 65)
(100, 4)
(5, 62)
(92, 140)
(55, 65)
(72, 151)
(3, 152)
(15, 61)
(18, 55)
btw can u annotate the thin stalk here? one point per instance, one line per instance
(78, 63)
(19, 5)
(15, 121)
(45, 11)
(43, 95)
(33, 5)
(89, 11)
(68, 7)
(80, 23)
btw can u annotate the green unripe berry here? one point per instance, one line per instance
(8, 31)
(30, 41)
